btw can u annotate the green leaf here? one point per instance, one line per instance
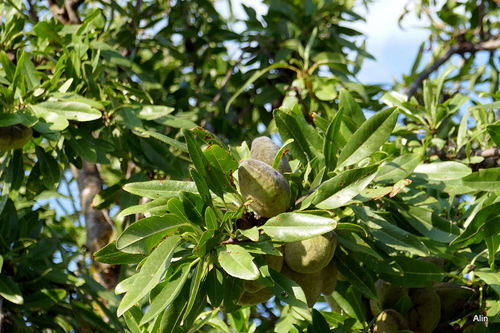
(291, 227)
(196, 290)
(350, 301)
(167, 295)
(44, 30)
(154, 189)
(208, 137)
(211, 221)
(398, 169)
(288, 290)
(171, 321)
(151, 273)
(51, 172)
(494, 131)
(494, 105)
(369, 137)
(356, 275)
(111, 255)
(143, 235)
(71, 110)
(306, 141)
(8, 119)
(485, 223)
(351, 109)
(73, 97)
(8, 66)
(151, 112)
(337, 191)
(429, 223)
(330, 144)
(251, 80)
(388, 233)
(45, 298)
(417, 273)
(202, 165)
(215, 287)
(53, 122)
(492, 278)
(484, 180)
(10, 290)
(319, 323)
(354, 242)
(447, 170)
(222, 167)
(194, 207)
(237, 262)
(166, 139)
(26, 70)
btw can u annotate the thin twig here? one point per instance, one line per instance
(464, 47)
(32, 11)
(429, 70)
(226, 80)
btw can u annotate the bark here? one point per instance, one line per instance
(68, 12)
(99, 227)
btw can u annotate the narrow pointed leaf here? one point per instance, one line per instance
(485, 223)
(111, 255)
(338, 190)
(151, 273)
(10, 290)
(416, 273)
(167, 295)
(143, 235)
(484, 180)
(291, 227)
(160, 188)
(369, 137)
(447, 170)
(398, 169)
(388, 233)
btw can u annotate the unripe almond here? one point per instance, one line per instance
(14, 136)
(265, 186)
(311, 255)
(265, 150)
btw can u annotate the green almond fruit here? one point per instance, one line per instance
(425, 312)
(265, 150)
(329, 276)
(311, 255)
(311, 283)
(265, 186)
(14, 136)
(390, 321)
(261, 296)
(388, 295)
(274, 262)
(455, 300)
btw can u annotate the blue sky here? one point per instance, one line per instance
(394, 48)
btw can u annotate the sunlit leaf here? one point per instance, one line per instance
(236, 261)
(447, 170)
(151, 273)
(291, 227)
(369, 137)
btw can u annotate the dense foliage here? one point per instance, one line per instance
(123, 125)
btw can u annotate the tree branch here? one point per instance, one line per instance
(100, 229)
(461, 48)
(68, 13)
(429, 70)
(32, 11)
